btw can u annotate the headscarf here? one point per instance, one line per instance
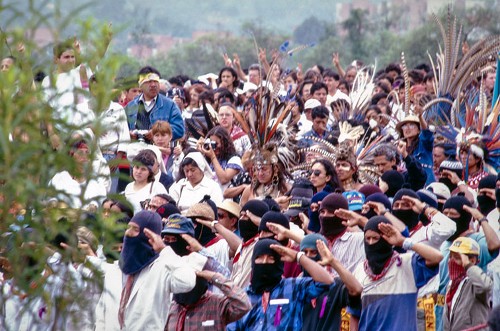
(201, 162)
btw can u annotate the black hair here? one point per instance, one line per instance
(318, 86)
(227, 149)
(149, 70)
(331, 73)
(320, 111)
(233, 72)
(334, 181)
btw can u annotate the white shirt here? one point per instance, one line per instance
(186, 195)
(71, 191)
(147, 192)
(116, 136)
(349, 250)
(69, 104)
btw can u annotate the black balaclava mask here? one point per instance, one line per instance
(179, 246)
(377, 197)
(137, 253)
(457, 202)
(377, 254)
(266, 276)
(407, 216)
(332, 226)
(247, 228)
(274, 217)
(193, 296)
(203, 233)
(394, 181)
(486, 204)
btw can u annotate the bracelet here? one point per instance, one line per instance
(425, 209)
(213, 224)
(461, 183)
(299, 255)
(408, 244)
(484, 219)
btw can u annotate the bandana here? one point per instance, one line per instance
(457, 274)
(147, 78)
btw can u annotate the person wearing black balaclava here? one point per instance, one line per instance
(404, 212)
(391, 280)
(486, 199)
(277, 218)
(147, 274)
(459, 209)
(346, 246)
(192, 309)
(267, 286)
(250, 216)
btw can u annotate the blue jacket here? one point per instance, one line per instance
(423, 154)
(163, 110)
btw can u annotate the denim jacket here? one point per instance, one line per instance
(163, 110)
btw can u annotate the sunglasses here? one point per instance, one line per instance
(316, 172)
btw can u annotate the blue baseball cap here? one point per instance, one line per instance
(355, 199)
(178, 224)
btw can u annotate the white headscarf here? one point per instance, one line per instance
(201, 162)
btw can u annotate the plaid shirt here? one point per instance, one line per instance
(283, 317)
(213, 311)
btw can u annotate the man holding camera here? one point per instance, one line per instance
(151, 106)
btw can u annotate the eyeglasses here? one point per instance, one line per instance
(316, 172)
(409, 125)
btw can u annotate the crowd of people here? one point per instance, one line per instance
(264, 198)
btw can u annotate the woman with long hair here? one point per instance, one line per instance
(219, 150)
(324, 177)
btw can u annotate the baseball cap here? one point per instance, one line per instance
(440, 190)
(297, 206)
(465, 245)
(312, 103)
(355, 200)
(178, 224)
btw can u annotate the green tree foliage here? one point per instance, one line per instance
(28, 159)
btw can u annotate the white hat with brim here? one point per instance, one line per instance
(407, 119)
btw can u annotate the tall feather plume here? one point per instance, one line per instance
(452, 74)
(407, 84)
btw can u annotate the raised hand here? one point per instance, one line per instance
(391, 235)
(287, 254)
(193, 244)
(154, 240)
(325, 253)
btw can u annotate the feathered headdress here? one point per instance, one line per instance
(454, 74)
(479, 128)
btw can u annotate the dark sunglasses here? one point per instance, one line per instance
(316, 172)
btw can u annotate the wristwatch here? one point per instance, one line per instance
(213, 225)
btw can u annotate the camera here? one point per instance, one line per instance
(176, 92)
(209, 143)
